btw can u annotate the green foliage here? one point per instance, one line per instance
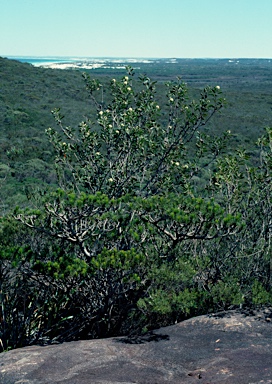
(260, 294)
(227, 293)
(174, 295)
(29, 93)
(129, 240)
(130, 150)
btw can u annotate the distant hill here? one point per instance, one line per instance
(28, 94)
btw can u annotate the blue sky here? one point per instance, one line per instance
(139, 28)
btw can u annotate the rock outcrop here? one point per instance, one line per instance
(233, 347)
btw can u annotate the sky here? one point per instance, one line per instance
(139, 28)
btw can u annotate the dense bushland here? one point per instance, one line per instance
(28, 94)
(152, 220)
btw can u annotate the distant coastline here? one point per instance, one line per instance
(57, 62)
(41, 61)
(84, 63)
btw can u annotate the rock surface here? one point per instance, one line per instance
(233, 347)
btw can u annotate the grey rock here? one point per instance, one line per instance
(232, 347)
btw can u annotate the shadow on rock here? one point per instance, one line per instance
(142, 339)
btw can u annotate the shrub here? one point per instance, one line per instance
(128, 241)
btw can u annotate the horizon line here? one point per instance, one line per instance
(138, 57)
